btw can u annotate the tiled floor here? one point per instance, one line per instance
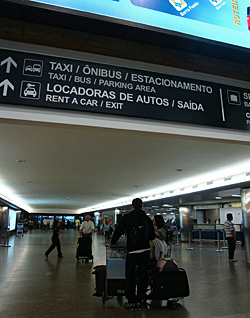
(32, 286)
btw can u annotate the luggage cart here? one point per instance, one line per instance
(84, 249)
(19, 229)
(115, 272)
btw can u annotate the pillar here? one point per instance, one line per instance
(186, 221)
(245, 201)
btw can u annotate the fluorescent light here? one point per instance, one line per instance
(218, 198)
(236, 195)
(203, 182)
(8, 194)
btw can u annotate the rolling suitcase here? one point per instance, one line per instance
(84, 249)
(100, 279)
(168, 285)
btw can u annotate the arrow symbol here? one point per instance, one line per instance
(9, 61)
(6, 84)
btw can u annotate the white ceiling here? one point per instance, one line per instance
(69, 167)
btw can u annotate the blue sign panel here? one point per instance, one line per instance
(226, 21)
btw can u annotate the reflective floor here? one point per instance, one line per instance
(32, 286)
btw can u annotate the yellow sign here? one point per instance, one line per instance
(235, 204)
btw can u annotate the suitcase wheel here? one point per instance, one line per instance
(172, 304)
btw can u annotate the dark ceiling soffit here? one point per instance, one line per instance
(75, 20)
(10, 205)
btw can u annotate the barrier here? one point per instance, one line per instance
(189, 240)
(178, 238)
(218, 242)
(200, 245)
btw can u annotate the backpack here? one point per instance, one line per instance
(139, 234)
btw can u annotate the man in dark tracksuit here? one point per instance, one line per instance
(137, 258)
(55, 240)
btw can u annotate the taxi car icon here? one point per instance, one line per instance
(30, 90)
(33, 68)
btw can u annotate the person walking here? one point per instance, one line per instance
(230, 237)
(87, 226)
(140, 230)
(106, 229)
(55, 241)
(77, 222)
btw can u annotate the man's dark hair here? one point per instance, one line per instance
(137, 204)
(229, 216)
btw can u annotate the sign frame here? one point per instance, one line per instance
(137, 68)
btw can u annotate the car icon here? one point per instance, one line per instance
(30, 90)
(29, 68)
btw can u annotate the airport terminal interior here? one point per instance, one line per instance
(102, 102)
(34, 286)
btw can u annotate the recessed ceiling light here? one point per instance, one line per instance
(218, 198)
(236, 195)
(20, 161)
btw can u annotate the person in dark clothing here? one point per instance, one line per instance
(138, 253)
(55, 241)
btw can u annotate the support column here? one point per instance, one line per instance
(245, 201)
(5, 227)
(186, 221)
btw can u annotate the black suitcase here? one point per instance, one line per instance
(168, 285)
(100, 279)
(84, 248)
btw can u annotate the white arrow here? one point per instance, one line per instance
(6, 83)
(9, 61)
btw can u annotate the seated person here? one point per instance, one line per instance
(160, 230)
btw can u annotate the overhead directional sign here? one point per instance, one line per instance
(60, 83)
